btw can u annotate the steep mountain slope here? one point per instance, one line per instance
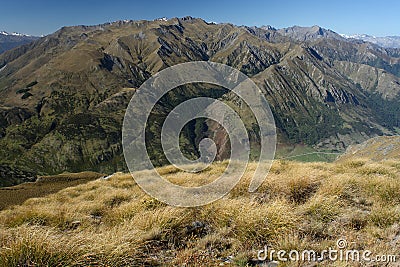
(63, 97)
(10, 40)
(374, 149)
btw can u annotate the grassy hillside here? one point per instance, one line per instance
(300, 206)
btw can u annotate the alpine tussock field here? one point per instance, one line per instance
(300, 206)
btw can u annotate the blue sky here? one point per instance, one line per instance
(37, 17)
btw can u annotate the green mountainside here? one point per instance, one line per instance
(63, 97)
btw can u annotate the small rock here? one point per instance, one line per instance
(75, 224)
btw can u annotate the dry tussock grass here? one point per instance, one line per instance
(300, 206)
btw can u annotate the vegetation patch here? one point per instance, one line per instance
(114, 223)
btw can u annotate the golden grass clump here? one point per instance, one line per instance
(299, 206)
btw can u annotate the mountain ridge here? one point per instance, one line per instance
(11, 40)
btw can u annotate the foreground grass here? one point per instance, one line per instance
(300, 206)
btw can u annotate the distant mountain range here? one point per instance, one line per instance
(314, 32)
(63, 96)
(11, 40)
(387, 41)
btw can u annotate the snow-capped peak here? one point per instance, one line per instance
(357, 36)
(387, 41)
(19, 34)
(13, 34)
(162, 19)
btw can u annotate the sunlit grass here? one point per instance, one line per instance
(299, 206)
